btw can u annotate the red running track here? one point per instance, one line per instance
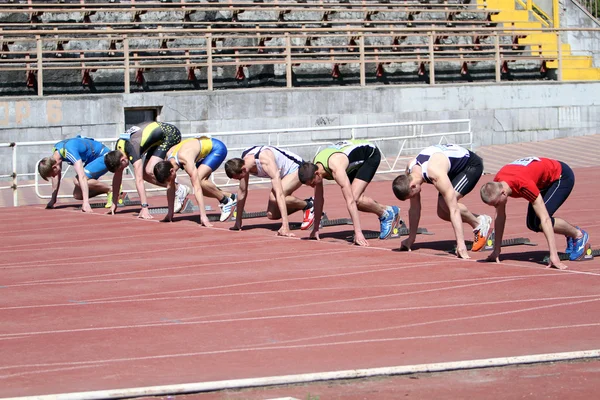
(97, 302)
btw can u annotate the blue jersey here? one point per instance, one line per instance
(78, 148)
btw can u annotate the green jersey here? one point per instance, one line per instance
(357, 151)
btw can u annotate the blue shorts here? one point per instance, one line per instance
(216, 156)
(96, 168)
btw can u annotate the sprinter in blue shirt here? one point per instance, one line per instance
(87, 157)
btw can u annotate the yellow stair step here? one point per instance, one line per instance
(496, 4)
(572, 62)
(516, 25)
(581, 74)
(550, 49)
(511, 16)
(539, 38)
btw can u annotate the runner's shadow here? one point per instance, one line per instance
(446, 246)
(536, 256)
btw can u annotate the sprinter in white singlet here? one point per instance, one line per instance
(454, 171)
(281, 166)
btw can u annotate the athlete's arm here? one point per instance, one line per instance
(116, 188)
(241, 202)
(499, 224)
(438, 174)
(139, 185)
(83, 184)
(319, 202)
(414, 216)
(269, 165)
(195, 178)
(337, 164)
(170, 200)
(540, 210)
(55, 180)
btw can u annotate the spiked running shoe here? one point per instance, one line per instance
(389, 220)
(180, 196)
(569, 248)
(308, 217)
(482, 232)
(109, 200)
(579, 246)
(228, 208)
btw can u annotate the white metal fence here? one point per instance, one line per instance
(397, 141)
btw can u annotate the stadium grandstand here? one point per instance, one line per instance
(496, 71)
(83, 46)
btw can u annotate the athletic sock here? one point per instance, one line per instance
(225, 199)
(309, 205)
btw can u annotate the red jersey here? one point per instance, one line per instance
(527, 176)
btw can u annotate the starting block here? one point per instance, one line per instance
(489, 244)
(400, 230)
(246, 215)
(588, 255)
(187, 208)
(124, 201)
(324, 222)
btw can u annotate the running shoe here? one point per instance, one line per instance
(579, 246)
(569, 248)
(482, 232)
(388, 221)
(228, 208)
(308, 216)
(109, 200)
(180, 196)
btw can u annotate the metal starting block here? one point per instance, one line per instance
(588, 255)
(324, 222)
(247, 215)
(124, 201)
(400, 230)
(489, 244)
(187, 208)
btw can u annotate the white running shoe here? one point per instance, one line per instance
(308, 217)
(180, 196)
(482, 232)
(228, 208)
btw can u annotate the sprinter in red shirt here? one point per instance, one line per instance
(546, 184)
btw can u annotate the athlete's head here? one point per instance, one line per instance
(405, 186)
(48, 167)
(163, 171)
(493, 194)
(307, 174)
(235, 169)
(115, 160)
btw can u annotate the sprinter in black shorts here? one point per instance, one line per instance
(454, 171)
(152, 139)
(352, 164)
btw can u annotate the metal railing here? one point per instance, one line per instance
(402, 140)
(132, 54)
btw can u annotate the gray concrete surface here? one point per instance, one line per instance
(500, 114)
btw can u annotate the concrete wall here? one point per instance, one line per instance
(504, 113)
(582, 43)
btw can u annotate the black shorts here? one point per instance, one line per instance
(465, 180)
(169, 137)
(367, 170)
(554, 196)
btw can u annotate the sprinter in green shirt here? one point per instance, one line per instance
(352, 164)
